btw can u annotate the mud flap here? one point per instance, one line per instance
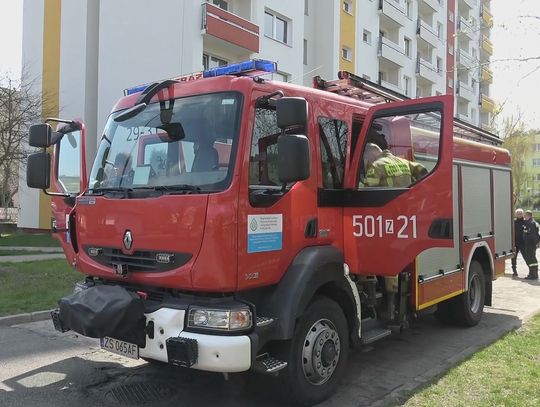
(102, 311)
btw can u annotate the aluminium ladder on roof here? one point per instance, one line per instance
(351, 85)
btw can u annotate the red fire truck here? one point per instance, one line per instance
(226, 224)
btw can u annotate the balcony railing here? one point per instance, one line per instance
(391, 51)
(465, 27)
(487, 74)
(465, 91)
(487, 17)
(426, 70)
(427, 33)
(230, 28)
(434, 4)
(393, 10)
(487, 46)
(465, 59)
(487, 103)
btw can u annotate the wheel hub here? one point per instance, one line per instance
(321, 352)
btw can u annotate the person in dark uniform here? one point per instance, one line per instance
(518, 238)
(530, 239)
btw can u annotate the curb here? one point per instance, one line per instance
(25, 318)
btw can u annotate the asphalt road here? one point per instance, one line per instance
(40, 367)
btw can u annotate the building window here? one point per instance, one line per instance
(276, 27)
(222, 4)
(407, 85)
(439, 65)
(347, 7)
(536, 148)
(440, 31)
(408, 8)
(451, 49)
(536, 162)
(538, 177)
(407, 47)
(366, 37)
(450, 83)
(306, 8)
(346, 53)
(210, 62)
(305, 52)
(451, 16)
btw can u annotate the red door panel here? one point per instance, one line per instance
(385, 228)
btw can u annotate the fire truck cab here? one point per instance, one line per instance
(227, 224)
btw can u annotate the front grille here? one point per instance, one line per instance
(139, 260)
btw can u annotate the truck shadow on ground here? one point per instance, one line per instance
(384, 373)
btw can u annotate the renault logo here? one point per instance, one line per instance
(128, 239)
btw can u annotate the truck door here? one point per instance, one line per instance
(391, 213)
(68, 177)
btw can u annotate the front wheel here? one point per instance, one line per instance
(317, 353)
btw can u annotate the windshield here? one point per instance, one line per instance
(187, 143)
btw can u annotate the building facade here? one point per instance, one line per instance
(85, 52)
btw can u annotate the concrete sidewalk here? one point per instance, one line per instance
(49, 253)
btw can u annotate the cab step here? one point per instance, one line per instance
(267, 364)
(374, 335)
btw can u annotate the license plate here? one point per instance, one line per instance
(129, 350)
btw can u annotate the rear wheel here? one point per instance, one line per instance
(468, 307)
(317, 353)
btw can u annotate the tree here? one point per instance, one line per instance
(20, 107)
(516, 139)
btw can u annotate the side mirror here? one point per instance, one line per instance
(38, 170)
(291, 112)
(293, 158)
(40, 135)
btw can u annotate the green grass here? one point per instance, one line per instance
(19, 252)
(29, 240)
(34, 285)
(506, 373)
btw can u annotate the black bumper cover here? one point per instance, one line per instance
(101, 311)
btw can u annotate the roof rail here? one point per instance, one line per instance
(351, 85)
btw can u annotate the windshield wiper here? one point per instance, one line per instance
(104, 190)
(181, 188)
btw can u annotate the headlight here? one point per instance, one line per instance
(222, 319)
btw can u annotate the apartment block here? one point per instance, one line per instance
(83, 53)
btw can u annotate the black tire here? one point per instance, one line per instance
(468, 308)
(321, 332)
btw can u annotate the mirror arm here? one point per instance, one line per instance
(56, 193)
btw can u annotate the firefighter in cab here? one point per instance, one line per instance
(530, 239)
(383, 169)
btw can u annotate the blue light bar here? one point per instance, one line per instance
(251, 67)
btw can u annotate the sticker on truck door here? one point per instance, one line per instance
(265, 233)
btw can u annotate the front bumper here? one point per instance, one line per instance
(215, 353)
(101, 311)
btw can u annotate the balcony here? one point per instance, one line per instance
(469, 3)
(464, 117)
(487, 46)
(466, 28)
(487, 75)
(487, 17)
(392, 86)
(394, 11)
(487, 103)
(465, 91)
(465, 59)
(229, 29)
(434, 4)
(392, 52)
(426, 70)
(427, 33)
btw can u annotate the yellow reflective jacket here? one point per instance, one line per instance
(392, 171)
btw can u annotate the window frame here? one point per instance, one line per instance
(286, 23)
